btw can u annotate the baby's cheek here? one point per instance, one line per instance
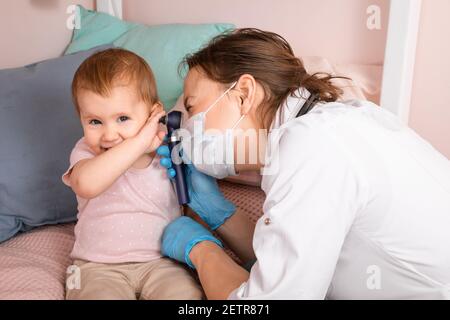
(133, 130)
(92, 142)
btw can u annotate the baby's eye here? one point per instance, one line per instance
(94, 122)
(123, 118)
(188, 108)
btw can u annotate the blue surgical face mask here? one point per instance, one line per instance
(212, 154)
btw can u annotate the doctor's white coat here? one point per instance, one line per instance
(357, 207)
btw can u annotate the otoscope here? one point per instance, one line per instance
(173, 121)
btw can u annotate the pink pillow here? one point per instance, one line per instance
(365, 83)
(366, 77)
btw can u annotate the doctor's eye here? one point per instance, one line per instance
(95, 122)
(123, 118)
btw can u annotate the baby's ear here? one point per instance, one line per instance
(157, 107)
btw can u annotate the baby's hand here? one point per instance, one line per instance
(149, 134)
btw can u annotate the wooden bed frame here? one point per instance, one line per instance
(398, 70)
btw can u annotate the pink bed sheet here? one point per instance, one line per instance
(33, 264)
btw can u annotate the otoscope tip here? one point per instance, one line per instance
(163, 120)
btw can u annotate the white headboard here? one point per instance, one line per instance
(112, 7)
(404, 18)
(398, 70)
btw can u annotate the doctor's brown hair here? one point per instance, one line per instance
(269, 58)
(104, 70)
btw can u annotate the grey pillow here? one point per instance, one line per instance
(38, 129)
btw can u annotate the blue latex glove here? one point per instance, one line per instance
(206, 199)
(181, 235)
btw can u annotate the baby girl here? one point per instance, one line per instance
(124, 198)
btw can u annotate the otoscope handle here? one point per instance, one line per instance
(173, 122)
(180, 181)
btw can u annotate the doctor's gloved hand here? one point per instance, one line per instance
(206, 199)
(181, 235)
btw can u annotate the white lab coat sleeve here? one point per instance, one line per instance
(311, 204)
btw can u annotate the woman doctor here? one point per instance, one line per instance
(357, 205)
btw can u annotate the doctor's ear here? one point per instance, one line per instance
(246, 86)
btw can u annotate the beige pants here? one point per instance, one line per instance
(161, 279)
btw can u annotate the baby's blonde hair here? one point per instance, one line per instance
(105, 69)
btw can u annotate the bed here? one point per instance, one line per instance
(33, 264)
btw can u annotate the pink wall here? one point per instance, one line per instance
(430, 108)
(34, 30)
(329, 28)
